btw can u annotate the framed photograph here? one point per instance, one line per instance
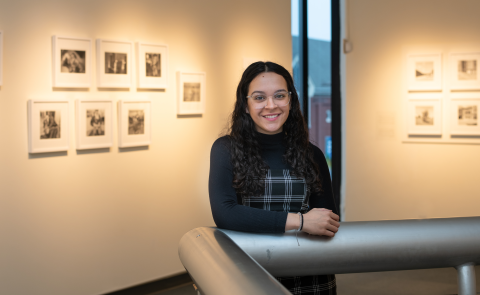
(1, 58)
(152, 65)
(94, 124)
(464, 71)
(192, 93)
(134, 128)
(114, 64)
(72, 64)
(424, 117)
(424, 72)
(464, 117)
(48, 126)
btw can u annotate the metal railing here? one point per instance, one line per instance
(229, 262)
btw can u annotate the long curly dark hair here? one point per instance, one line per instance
(248, 166)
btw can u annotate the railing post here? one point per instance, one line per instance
(466, 279)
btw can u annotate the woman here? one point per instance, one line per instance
(266, 170)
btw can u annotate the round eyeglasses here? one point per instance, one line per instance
(280, 99)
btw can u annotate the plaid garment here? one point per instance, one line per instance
(287, 193)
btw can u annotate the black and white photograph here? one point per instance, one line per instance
(136, 122)
(115, 63)
(72, 61)
(467, 115)
(424, 115)
(50, 124)
(424, 71)
(94, 125)
(464, 71)
(152, 65)
(152, 62)
(95, 122)
(191, 92)
(467, 70)
(464, 115)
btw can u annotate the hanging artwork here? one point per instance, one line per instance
(94, 126)
(424, 117)
(48, 128)
(464, 73)
(192, 93)
(134, 128)
(424, 72)
(152, 65)
(72, 66)
(464, 117)
(114, 64)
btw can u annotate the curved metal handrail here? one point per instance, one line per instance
(218, 266)
(357, 247)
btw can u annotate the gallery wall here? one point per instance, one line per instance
(91, 222)
(385, 177)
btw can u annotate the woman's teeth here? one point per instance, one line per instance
(272, 116)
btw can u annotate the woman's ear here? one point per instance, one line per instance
(246, 110)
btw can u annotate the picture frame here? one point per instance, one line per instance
(152, 65)
(424, 117)
(94, 124)
(192, 92)
(424, 72)
(48, 126)
(114, 63)
(72, 62)
(464, 74)
(1, 58)
(464, 117)
(134, 123)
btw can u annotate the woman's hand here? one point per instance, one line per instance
(321, 222)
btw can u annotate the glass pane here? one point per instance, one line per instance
(296, 63)
(319, 75)
(319, 70)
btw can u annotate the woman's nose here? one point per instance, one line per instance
(270, 103)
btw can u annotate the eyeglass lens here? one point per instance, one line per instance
(280, 99)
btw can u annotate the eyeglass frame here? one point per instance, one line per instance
(289, 93)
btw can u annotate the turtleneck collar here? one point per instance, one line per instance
(267, 139)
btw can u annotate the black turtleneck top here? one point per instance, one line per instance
(227, 209)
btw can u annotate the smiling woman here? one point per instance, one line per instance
(265, 175)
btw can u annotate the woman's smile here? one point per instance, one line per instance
(272, 117)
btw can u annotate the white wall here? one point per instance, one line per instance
(94, 222)
(385, 178)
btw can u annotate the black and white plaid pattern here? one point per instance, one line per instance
(314, 285)
(283, 192)
(287, 193)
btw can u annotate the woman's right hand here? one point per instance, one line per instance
(321, 222)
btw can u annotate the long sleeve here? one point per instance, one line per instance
(226, 211)
(324, 199)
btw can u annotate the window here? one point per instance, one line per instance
(316, 64)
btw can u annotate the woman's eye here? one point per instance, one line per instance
(259, 97)
(280, 96)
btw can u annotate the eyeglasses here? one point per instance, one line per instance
(280, 99)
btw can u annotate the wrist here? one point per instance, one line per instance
(293, 221)
(300, 216)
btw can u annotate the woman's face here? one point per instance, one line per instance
(270, 119)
